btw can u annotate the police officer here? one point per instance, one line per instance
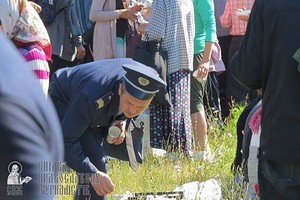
(90, 98)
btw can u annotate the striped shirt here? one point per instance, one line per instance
(173, 23)
(230, 20)
(37, 62)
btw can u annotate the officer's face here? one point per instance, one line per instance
(130, 105)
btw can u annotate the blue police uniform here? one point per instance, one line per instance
(31, 136)
(87, 101)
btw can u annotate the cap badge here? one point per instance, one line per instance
(100, 103)
(143, 81)
(296, 56)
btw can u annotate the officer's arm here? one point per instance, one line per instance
(76, 120)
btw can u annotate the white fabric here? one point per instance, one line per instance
(208, 190)
(129, 145)
(27, 27)
(9, 15)
(252, 165)
(216, 62)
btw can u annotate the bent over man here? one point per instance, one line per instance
(89, 99)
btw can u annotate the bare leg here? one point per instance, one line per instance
(199, 129)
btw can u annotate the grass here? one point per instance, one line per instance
(159, 174)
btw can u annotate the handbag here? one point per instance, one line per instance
(151, 54)
(133, 38)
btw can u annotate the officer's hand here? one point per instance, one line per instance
(121, 125)
(101, 183)
(119, 139)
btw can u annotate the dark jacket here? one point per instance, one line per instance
(29, 127)
(265, 60)
(63, 42)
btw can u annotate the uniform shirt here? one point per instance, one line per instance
(173, 23)
(230, 20)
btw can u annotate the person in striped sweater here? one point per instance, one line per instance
(21, 23)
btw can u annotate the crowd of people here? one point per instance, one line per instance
(216, 57)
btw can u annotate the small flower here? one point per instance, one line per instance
(199, 168)
(178, 168)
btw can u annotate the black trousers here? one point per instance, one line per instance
(224, 43)
(278, 181)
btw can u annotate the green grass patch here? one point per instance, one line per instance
(161, 174)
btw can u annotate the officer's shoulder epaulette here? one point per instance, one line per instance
(103, 101)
